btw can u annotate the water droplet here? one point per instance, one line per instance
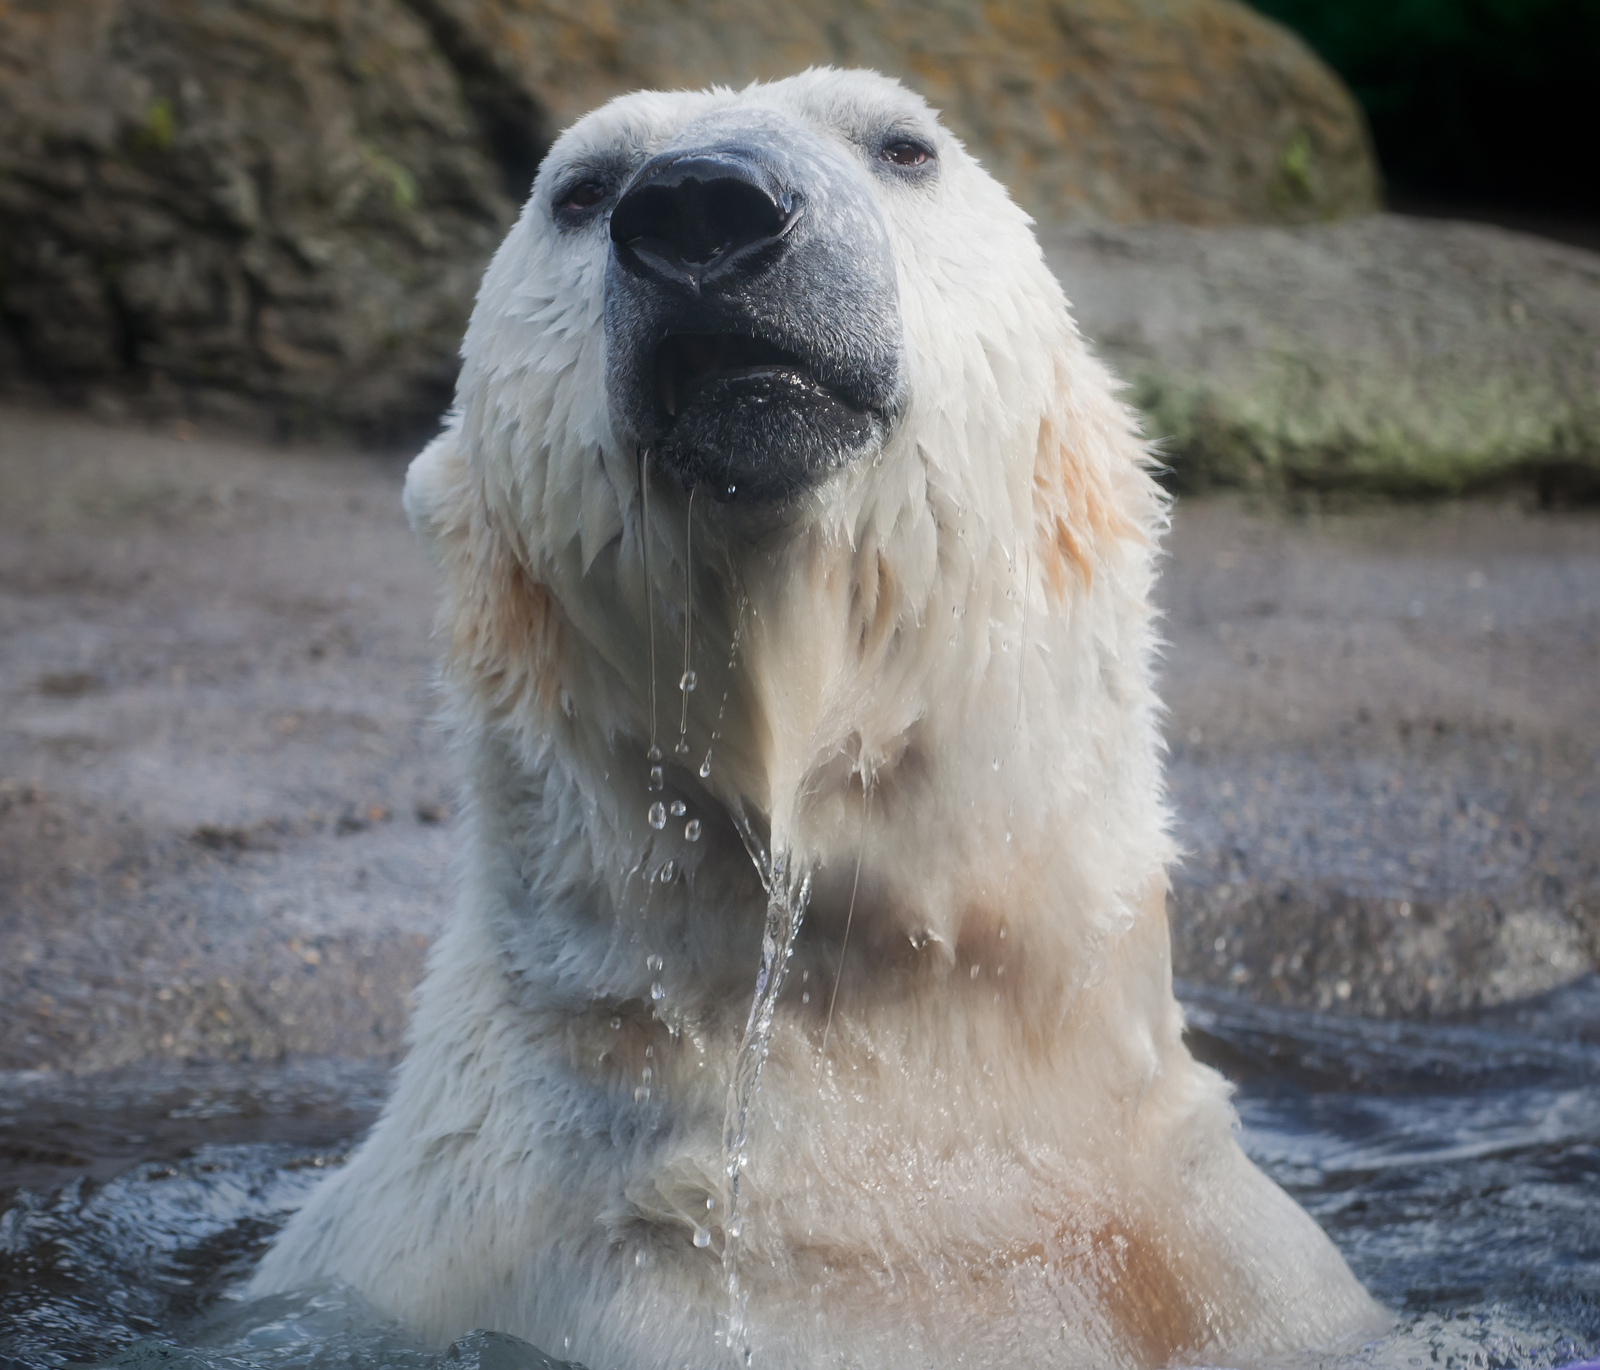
(642, 1094)
(806, 997)
(641, 1258)
(705, 766)
(658, 815)
(677, 808)
(682, 749)
(687, 681)
(995, 764)
(654, 754)
(657, 993)
(654, 961)
(702, 1237)
(616, 1023)
(974, 973)
(691, 830)
(669, 872)
(1008, 834)
(735, 1227)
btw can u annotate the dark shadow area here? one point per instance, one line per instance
(1479, 109)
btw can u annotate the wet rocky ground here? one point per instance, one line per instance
(224, 811)
(1385, 730)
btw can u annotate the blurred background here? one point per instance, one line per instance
(1345, 255)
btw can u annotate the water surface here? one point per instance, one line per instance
(1457, 1165)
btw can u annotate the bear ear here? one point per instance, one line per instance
(432, 495)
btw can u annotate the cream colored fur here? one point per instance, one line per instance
(1005, 1156)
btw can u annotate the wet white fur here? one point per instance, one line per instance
(1008, 1157)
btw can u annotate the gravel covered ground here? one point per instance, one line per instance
(224, 813)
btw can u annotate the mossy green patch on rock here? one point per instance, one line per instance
(1382, 354)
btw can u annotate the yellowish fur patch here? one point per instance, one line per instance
(506, 630)
(1075, 504)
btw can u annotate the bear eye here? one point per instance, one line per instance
(906, 152)
(580, 195)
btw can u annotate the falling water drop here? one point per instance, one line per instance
(691, 830)
(702, 1237)
(657, 994)
(669, 872)
(658, 815)
(688, 681)
(654, 962)
(705, 767)
(1022, 655)
(677, 808)
(657, 779)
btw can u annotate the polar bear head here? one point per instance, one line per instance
(799, 327)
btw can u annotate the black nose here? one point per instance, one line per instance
(698, 218)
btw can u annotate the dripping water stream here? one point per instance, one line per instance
(786, 905)
(686, 682)
(657, 812)
(849, 918)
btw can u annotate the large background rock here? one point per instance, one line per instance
(274, 211)
(278, 211)
(1382, 353)
(1200, 111)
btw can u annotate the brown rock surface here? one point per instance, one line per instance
(278, 211)
(1201, 111)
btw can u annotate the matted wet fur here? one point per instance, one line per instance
(940, 703)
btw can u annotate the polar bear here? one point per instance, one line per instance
(792, 538)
